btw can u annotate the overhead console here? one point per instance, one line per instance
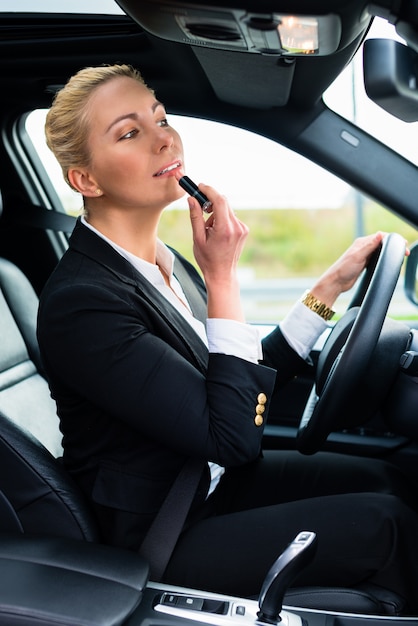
(258, 44)
(238, 29)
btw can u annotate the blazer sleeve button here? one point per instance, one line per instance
(258, 420)
(261, 398)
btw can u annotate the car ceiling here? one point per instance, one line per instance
(260, 81)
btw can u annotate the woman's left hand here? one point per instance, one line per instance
(342, 274)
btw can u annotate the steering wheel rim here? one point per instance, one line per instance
(358, 332)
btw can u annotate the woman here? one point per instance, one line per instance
(150, 366)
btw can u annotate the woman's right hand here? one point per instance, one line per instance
(218, 241)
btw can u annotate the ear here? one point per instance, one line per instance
(82, 182)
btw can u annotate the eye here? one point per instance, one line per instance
(163, 122)
(129, 135)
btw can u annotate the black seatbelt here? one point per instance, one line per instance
(35, 216)
(194, 298)
(165, 530)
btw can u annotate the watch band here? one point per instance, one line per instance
(321, 309)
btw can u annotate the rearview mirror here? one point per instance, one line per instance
(391, 76)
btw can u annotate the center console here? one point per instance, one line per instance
(164, 605)
(48, 581)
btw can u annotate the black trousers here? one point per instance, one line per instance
(362, 510)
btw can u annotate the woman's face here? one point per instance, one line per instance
(135, 154)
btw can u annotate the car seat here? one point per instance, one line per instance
(36, 492)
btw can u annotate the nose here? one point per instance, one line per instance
(163, 139)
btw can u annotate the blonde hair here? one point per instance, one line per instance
(66, 126)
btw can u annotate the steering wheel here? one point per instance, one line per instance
(360, 358)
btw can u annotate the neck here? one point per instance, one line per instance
(133, 231)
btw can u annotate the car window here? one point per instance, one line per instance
(254, 172)
(300, 216)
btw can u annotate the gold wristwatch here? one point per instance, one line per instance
(321, 309)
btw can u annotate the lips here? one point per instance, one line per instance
(168, 168)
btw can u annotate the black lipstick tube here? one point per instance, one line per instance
(193, 190)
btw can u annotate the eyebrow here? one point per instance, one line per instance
(133, 116)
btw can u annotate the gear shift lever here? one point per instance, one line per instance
(291, 561)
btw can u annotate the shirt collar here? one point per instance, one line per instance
(151, 271)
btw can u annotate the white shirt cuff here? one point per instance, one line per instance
(302, 328)
(234, 338)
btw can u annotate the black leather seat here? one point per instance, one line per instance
(64, 582)
(24, 393)
(37, 496)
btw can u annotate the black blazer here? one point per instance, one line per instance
(136, 390)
